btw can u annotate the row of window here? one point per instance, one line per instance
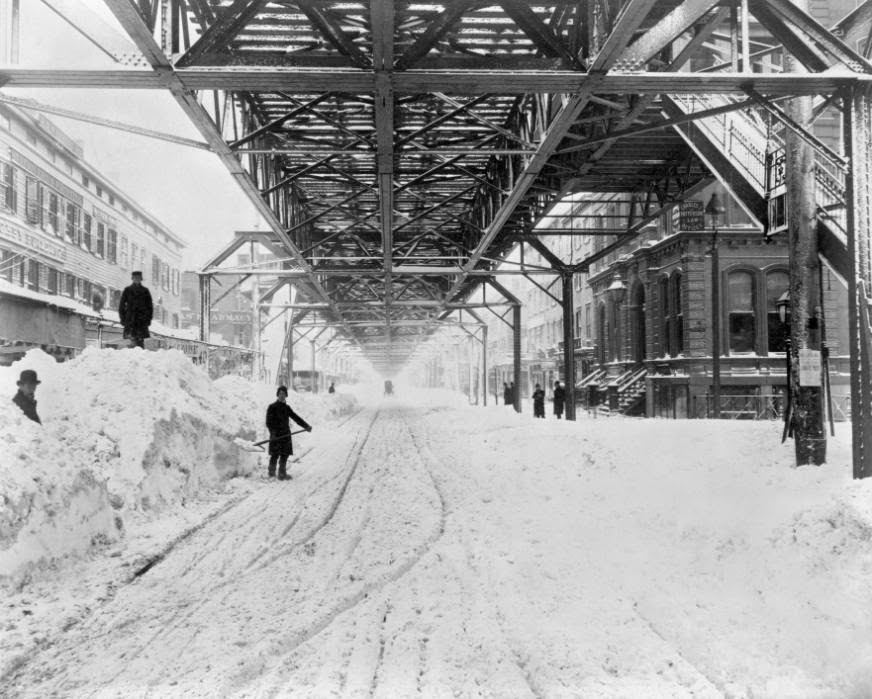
(38, 276)
(65, 220)
(752, 322)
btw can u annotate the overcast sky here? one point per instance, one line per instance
(189, 190)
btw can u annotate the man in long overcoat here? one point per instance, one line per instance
(538, 402)
(559, 399)
(136, 310)
(278, 417)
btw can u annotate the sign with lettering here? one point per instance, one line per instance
(37, 242)
(809, 367)
(691, 215)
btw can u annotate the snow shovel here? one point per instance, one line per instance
(258, 446)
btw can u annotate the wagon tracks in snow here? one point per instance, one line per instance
(289, 644)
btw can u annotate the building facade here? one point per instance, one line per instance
(69, 235)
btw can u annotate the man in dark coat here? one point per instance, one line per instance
(507, 394)
(278, 416)
(26, 396)
(538, 402)
(559, 399)
(135, 310)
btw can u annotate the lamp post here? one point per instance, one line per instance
(714, 212)
(616, 291)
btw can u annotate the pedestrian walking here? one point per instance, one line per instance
(26, 396)
(278, 417)
(538, 402)
(559, 399)
(507, 394)
(332, 388)
(135, 310)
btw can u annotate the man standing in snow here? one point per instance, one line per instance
(538, 402)
(135, 310)
(278, 416)
(559, 399)
(26, 396)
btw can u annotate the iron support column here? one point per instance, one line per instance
(205, 306)
(809, 437)
(314, 383)
(289, 346)
(568, 344)
(857, 130)
(206, 314)
(484, 365)
(716, 329)
(516, 354)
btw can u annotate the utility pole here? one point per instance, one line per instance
(809, 436)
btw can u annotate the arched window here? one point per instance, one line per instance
(777, 284)
(742, 320)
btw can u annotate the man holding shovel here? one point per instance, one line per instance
(278, 416)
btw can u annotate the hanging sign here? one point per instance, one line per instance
(809, 367)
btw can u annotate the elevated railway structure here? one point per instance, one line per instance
(399, 151)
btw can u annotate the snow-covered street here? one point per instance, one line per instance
(429, 548)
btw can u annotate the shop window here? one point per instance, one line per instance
(777, 284)
(742, 321)
(114, 299)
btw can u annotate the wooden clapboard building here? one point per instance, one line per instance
(69, 239)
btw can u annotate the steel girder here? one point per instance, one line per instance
(400, 150)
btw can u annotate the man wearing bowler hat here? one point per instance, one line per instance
(135, 310)
(278, 417)
(25, 398)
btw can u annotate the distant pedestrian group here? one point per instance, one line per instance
(558, 398)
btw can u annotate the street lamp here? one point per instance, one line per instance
(714, 213)
(617, 288)
(783, 307)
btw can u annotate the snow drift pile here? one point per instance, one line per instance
(123, 431)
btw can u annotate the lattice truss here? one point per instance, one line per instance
(400, 150)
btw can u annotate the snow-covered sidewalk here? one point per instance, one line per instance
(445, 550)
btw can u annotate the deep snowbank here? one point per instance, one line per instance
(123, 432)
